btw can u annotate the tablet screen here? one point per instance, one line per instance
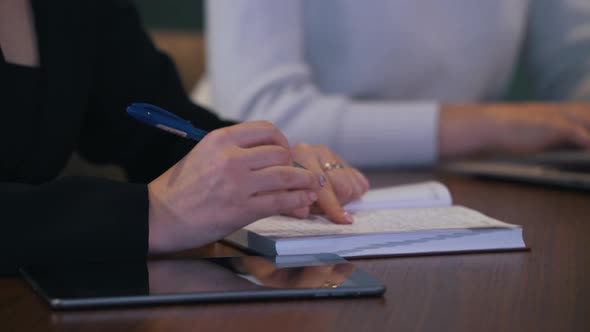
(201, 279)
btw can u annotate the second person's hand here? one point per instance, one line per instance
(343, 183)
(512, 128)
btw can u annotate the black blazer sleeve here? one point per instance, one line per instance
(91, 219)
(72, 219)
(130, 69)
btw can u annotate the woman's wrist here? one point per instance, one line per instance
(464, 129)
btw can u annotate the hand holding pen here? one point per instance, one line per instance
(234, 176)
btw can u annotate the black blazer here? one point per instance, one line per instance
(95, 59)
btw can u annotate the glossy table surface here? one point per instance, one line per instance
(544, 289)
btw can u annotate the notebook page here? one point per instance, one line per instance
(424, 194)
(379, 221)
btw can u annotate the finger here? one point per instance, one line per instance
(361, 180)
(254, 133)
(341, 184)
(312, 276)
(279, 278)
(281, 202)
(573, 125)
(359, 176)
(344, 269)
(265, 156)
(580, 114)
(348, 183)
(300, 213)
(581, 137)
(344, 181)
(357, 188)
(328, 202)
(257, 266)
(572, 131)
(340, 273)
(282, 178)
(334, 280)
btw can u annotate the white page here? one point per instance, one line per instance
(379, 221)
(424, 194)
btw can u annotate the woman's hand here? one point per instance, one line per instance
(512, 128)
(344, 183)
(233, 177)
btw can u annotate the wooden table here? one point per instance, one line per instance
(545, 289)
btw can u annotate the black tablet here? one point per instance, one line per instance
(200, 280)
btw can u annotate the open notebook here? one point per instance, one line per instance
(400, 220)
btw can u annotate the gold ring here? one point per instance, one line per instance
(328, 166)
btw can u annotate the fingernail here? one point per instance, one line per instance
(348, 218)
(312, 196)
(323, 180)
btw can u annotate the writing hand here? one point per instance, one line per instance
(233, 177)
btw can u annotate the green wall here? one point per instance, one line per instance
(521, 88)
(172, 14)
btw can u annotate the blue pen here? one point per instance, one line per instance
(160, 118)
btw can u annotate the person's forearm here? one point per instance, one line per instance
(463, 130)
(471, 129)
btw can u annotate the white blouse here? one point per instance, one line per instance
(366, 77)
